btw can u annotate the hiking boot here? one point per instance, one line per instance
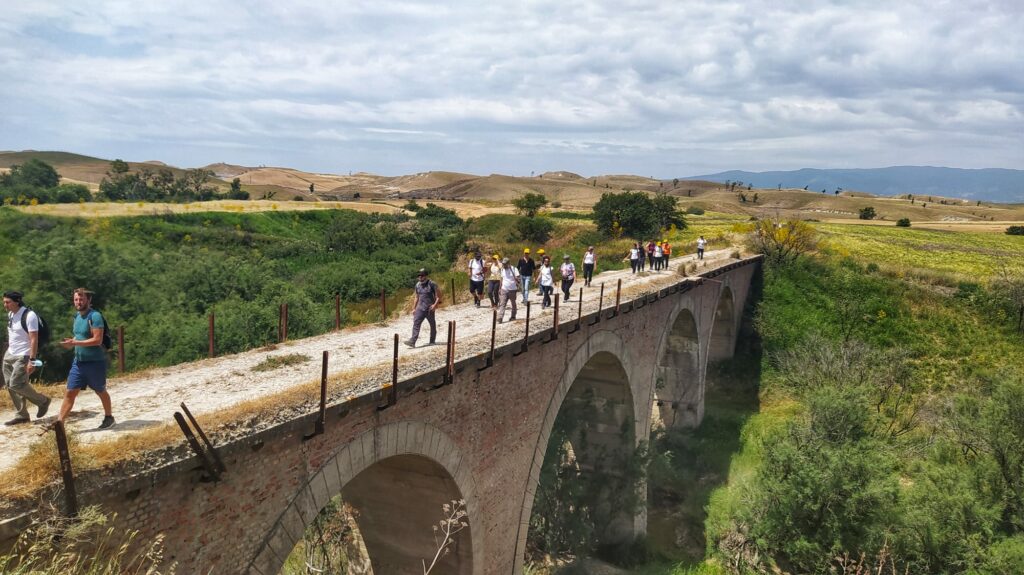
(108, 421)
(16, 421)
(42, 408)
(410, 342)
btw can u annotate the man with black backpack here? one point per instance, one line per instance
(427, 298)
(25, 331)
(89, 368)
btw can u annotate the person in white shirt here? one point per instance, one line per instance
(589, 263)
(546, 279)
(476, 278)
(22, 349)
(701, 242)
(507, 293)
(658, 256)
(634, 254)
(568, 272)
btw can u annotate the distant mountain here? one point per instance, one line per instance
(991, 184)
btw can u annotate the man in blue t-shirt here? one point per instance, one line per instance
(89, 368)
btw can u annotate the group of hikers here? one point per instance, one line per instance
(505, 283)
(27, 332)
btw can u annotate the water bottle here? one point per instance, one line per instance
(37, 363)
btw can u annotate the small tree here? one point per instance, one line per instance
(1015, 230)
(903, 222)
(867, 213)
(529, 204)
(782, 241)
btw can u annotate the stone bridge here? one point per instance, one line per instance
(480, 436)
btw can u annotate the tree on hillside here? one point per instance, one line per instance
(667, 213)
(530, 203)
(635, 214)
(1009, 286)
(782, 241)
(119, 166)
(35, 173)
(867, 213)
(236, 192)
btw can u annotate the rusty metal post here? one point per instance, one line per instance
(600, 305)
(579, 312)
(280, 320)
(284, 332)
(451, 362)
(322, 420)
(390, 396)
(120, 348)
(206, 440)
(196, 448)
(618, 293)
(447, 355)
(70, 497)
(453, 290)
(526, 335)
(337, 312)
(209, 333)
(494, 328)
(554, 330)
(383, 306)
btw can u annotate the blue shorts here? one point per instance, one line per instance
(91, 374)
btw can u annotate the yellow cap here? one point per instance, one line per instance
(496, 256)
(526, 250)
(540, 251)
(664, 241)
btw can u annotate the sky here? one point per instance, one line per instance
(665, 89)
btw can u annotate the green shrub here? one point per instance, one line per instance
(1015, 230)
(695, 211)
(867, 213)
(903, 222)
(536, 229)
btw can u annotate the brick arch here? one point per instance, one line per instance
(406, 443)
(725, 326)
(600, 342)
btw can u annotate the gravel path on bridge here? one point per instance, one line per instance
(149, 398)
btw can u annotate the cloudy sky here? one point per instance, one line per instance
(655, 88)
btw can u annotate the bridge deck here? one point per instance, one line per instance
(232, 399)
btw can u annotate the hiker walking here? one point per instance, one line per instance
(701, 242)
(642, 256)
(546, 279)
(666, 251)
(650, 255)
(525, 268)
(540, 257)
(22, 351)
(89, 369)
(568, 272)
(507, 292)
(476, 278)
(494, 280)
(589, 262)
(427, 298)
(658, 257)
(634, 253)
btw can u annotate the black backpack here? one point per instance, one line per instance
(107, 344)
(44, 328)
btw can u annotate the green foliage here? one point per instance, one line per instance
(34, 182)
(867, 213)
(695, 210)
(1015, 231)
(536, 229)
(160, 276)
(412, 206)
(636, 215)
(903, 223)
(236, 192)
(530, 203)
(35, 173)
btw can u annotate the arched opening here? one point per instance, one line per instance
(678, 392)
(383, 522)
(590, 487)
(723, 331)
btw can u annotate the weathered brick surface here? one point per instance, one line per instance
(486, 434)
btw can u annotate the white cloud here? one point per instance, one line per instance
(667, 87)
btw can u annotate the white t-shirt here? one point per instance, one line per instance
(657, 252)
(495, 270)
(510, 278)
(633, 252)
(476, 270)
(700, 243)
(588, 258)
(568, 271)
(17, 338)
(546, 279)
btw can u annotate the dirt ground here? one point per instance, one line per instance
(148, 399)
(997, 227)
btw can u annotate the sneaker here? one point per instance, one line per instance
(108, 421)
(17, 421)
(42, 408)
(410, 342)
(513, 318)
